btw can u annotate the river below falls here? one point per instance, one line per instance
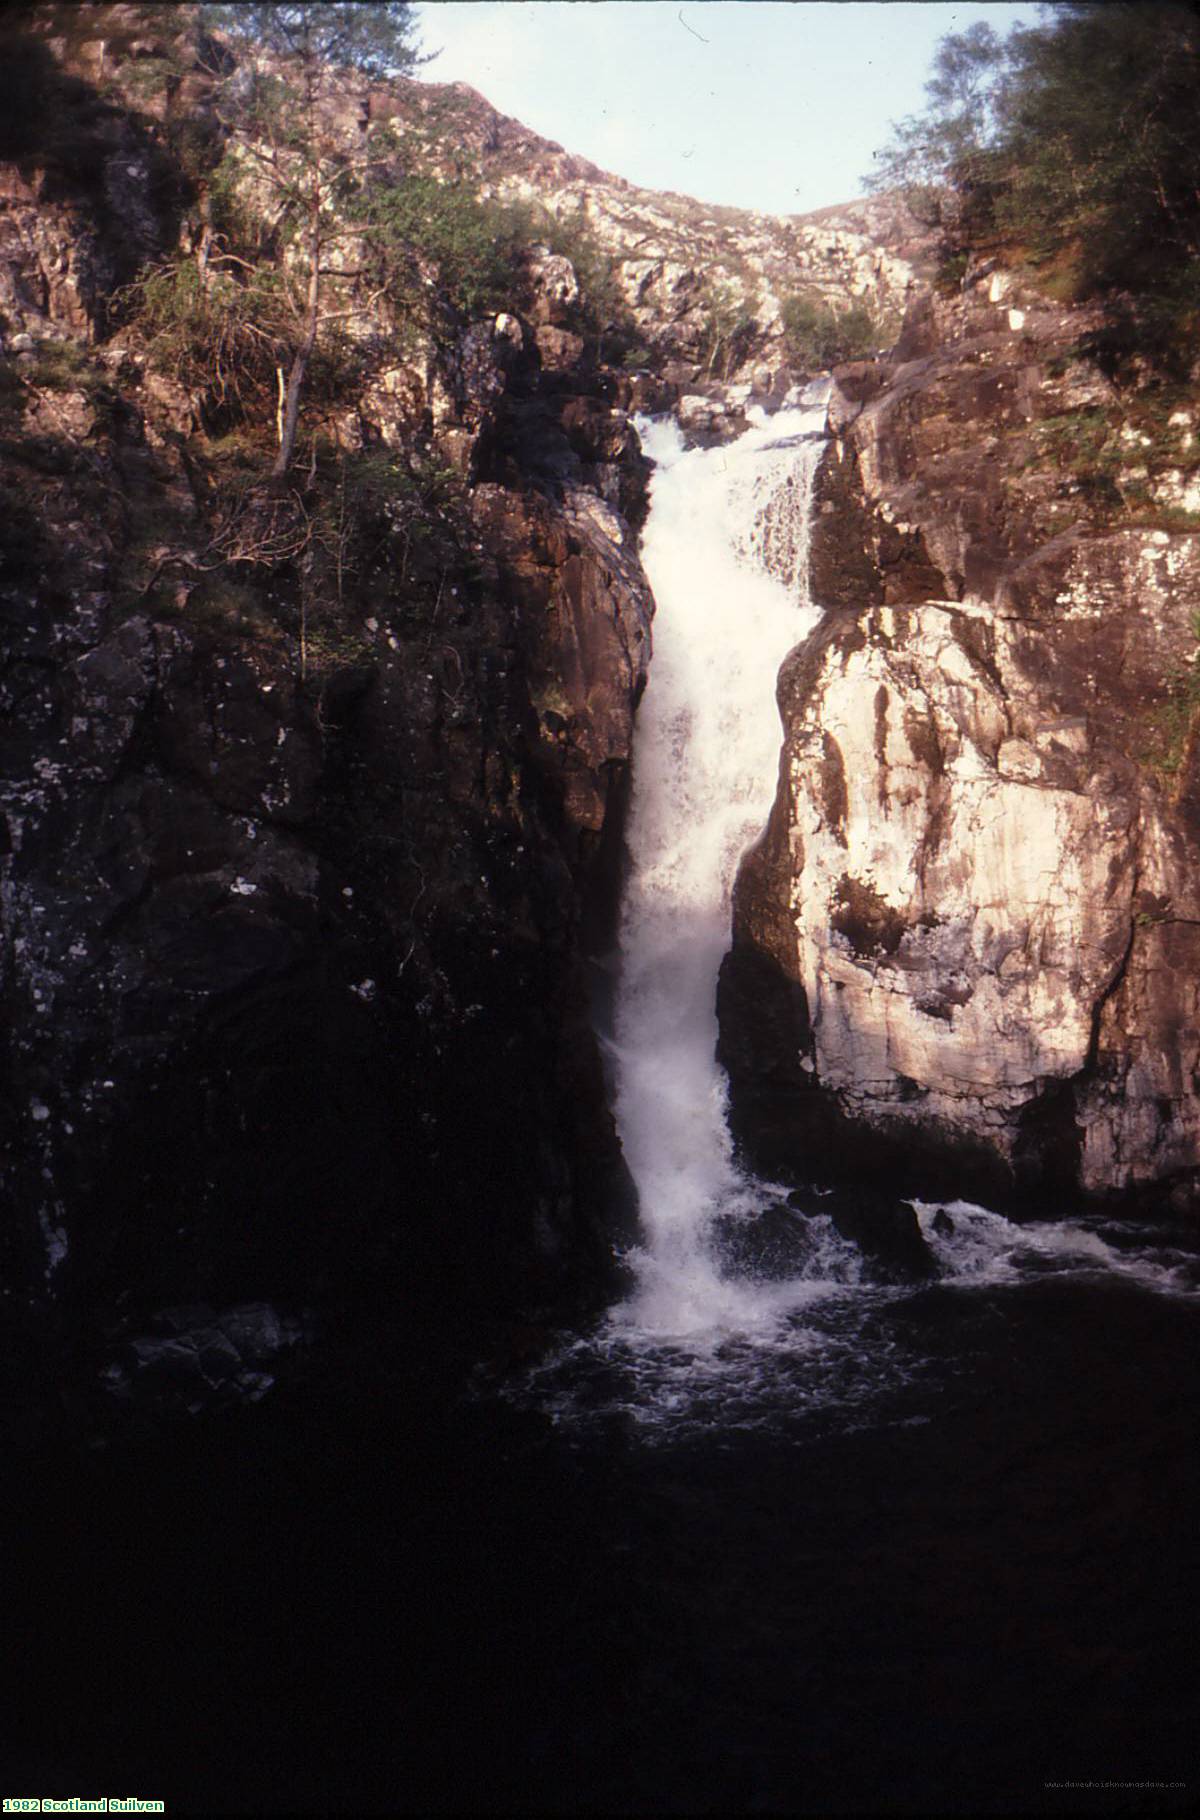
(376, 1594)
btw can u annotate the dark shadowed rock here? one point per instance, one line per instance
(770, 1246)
(302, 868)
(197, 1359)
(886, 1230)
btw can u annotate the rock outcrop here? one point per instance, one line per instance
(966, 948)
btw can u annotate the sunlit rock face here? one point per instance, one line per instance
(669, 250)
(968, 941)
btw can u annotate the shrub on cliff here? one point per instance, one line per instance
(222, 331)
(440, 250)
(378, 38)
(602, 309)
(293, 54)
(728, 327)
(816, 336)
(312, 251)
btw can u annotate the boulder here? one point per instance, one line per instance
(886, 1231)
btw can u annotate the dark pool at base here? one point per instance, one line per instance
(373, 1595)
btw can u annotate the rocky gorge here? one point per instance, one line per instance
(431, 1382)
(315, 809)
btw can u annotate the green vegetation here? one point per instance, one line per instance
(61, 366)
(56, 366)
(951, 270)
(818, 336)
(602, 311)
(1075, 144)
(472, 248)
(438, 250)
(303, 564)
(1113, 458)
(384, 238)
(223, 330)
(310, 262)
(1085, 448)
(431, 254)
(380, 506)
(730, 326)
(448, 253)
(377, 39)
(295, 152)
(1174, 723)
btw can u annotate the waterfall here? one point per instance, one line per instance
(745, 1311)
(726, 553)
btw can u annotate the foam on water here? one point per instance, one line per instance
(986, 1249)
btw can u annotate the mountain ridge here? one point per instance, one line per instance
(671, 251)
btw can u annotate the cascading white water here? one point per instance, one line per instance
(726, 553)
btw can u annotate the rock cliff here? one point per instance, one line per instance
(310, 834)
(965, 949)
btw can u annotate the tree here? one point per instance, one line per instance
(1101, 131)
(374, 36)
(1077, 139)
(946, 146)
(296, 53)
(728, 325)
(816, 336)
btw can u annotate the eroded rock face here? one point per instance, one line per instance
(572, 571)
(967, 941)
(86, 194)
(293, 963)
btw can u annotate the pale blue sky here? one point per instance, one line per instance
(768, 104)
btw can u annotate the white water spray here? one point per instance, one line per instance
(726, 553)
